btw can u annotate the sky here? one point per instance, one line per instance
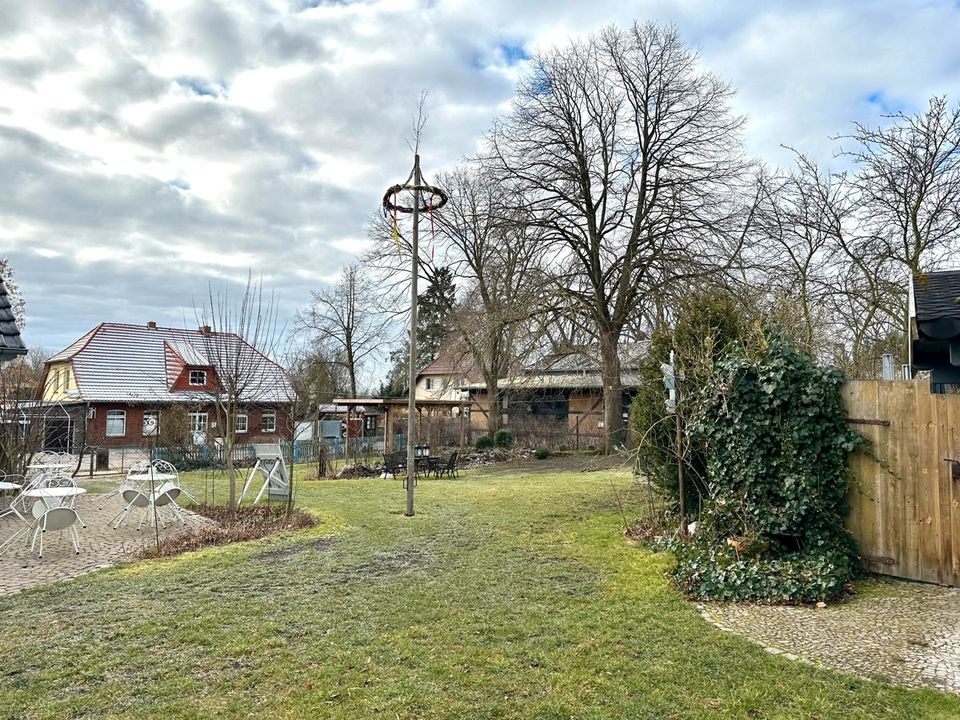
(148, 149)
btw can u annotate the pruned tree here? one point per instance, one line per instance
(238, 336)
(346, 320)
(627, 157)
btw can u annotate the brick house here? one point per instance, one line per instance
(133, 386)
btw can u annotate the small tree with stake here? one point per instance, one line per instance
(238, 338)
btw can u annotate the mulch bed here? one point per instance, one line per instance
(244, 523)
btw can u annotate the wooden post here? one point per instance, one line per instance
(412, 375)
(387, 430)
(680, 478)
(461, 428)
(346, 440)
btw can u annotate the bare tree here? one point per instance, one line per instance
(628, 157)
(347, 322)
(238, 338)
(907, 185)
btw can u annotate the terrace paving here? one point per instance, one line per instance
(905, 633)
(100, 545)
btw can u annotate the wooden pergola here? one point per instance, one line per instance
(391, 407)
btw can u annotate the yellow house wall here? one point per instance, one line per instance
(66, 389)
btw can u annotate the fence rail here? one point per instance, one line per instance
(905, 501)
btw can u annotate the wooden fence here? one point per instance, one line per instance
(905, 499)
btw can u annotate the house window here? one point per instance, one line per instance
(198, 377)
(268, 422)
(116, 423)
(240, 424)
(151, 423)
(198, 428)
(430, 384)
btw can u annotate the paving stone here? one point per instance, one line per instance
(100, 545)
(906, 633)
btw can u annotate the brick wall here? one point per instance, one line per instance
(133, 431)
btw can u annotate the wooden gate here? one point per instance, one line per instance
(905, 498)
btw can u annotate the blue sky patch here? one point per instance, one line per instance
(512, 53)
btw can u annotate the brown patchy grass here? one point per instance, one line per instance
(244, 523)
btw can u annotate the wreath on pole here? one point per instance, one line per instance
(432, 198)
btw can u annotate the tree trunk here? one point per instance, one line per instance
(612, 390)
(493, 404)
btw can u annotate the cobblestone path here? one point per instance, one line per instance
(904, 633)
(100, 545)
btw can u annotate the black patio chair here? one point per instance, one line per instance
(449, 466)
(395, 463)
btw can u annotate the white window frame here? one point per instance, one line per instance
(272, 414)
(143, 428)
(115, 415)
(196, 427)
(236, 423)
(430, 384)
(203, 373)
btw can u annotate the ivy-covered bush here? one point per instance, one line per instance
(484, 442)
(777, 440)
(541, 453)
(503, 438)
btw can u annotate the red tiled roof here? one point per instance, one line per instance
(129, 363)
(448, 366)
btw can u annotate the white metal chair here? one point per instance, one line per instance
(166, 497)
(57, 519)
(17, 505)
(133, 498)
(165, 468)
(137, 476)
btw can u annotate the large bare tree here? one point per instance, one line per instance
(628, 157)
(347, 322)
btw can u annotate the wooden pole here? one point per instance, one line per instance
(680, 478)
(412, 376)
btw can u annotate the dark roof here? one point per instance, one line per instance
(936, 302)
(937, 295)
(128, 363)
(11, 345)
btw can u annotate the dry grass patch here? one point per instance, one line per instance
(244, 523)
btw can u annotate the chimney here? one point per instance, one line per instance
(152, 325)
(204, 329)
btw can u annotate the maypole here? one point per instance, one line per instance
(436, 199)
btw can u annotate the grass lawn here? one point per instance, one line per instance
(512, 593)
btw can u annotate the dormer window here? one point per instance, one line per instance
(198, 377)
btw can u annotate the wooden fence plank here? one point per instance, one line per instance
(905, 506)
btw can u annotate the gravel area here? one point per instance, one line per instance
(900, 632)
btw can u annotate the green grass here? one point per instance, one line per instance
(511, 593)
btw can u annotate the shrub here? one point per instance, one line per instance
(707, 324)
(711, 572)
(541, 453)
(772, 527)
(503, 438)
(484, 442)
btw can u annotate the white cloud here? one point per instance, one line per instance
(146, 148)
